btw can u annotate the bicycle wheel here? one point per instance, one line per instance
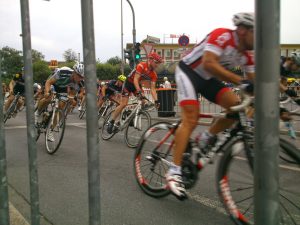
(104, 134)
(236, 188)
(134, 131)
(151, 157)
(101, 116)
(56, 127)
(10, 110)
(82, 112)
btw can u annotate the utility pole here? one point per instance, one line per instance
(122, 52)
(133, 28)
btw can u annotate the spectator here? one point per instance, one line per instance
(167, 83)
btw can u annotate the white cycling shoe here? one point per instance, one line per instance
(50, 136)
(176, 185)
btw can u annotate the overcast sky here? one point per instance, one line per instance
(56, 25)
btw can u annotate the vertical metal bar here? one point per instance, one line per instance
(91, 118)
(267, 55)
(133, 32)
(4, 208)
(122, 50)
(28, 72)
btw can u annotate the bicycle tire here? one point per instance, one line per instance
(102, 112)
(236, 188)
(10, 110)
(53, 146)
(104, 134)
(149, 169)
(82, 112)
(133, 134)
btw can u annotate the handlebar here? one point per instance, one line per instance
(246, 100)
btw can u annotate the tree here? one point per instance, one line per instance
(41, 71)
(37, 56)
(114, 61)
(11, 61)
(70, 55)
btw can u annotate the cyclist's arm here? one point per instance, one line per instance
(136, 81)
(48, 84)
(103, 90)
(212, 65)
(11, 86)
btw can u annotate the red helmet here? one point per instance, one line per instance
(155, 57)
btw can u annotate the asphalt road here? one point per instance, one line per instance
(63, 183)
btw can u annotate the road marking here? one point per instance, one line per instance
(15, 127)
(16, 218)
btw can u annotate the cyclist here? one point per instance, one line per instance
(202, 71)
(109, 90)
(65, 81)
(290, 64)
(143, 71)
(17, 84)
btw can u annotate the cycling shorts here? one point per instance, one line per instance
(128, 88)
(190, 84)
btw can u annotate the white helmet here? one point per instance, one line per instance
(165, 78)
(296, 57)
(79, 68)
(102, 83)
(246, 19)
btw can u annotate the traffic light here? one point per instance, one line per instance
(128, 54)
(137, 54)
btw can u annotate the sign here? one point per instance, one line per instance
(183, 40)
(153, 39)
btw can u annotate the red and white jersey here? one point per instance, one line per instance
(222, 42)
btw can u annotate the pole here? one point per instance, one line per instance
(267, 55)
(133, 28)
(31, 132)
(89, 59)
(4, 210)
(122, 48)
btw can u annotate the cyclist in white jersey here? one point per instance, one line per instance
(202, 71)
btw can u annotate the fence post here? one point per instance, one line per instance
(31, 133)
(267, 56)
(4, 208)
(91, 113)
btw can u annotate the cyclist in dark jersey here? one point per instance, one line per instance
(16, 85)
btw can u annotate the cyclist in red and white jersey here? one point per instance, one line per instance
(202, 71)
(144, 71)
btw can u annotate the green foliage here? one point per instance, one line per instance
(114, 61)
(41, 71)
(37, 56)
(11, 61)
(70, 55)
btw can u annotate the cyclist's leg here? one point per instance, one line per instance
(116, 113)
(227, 99)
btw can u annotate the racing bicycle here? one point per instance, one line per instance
(133, 119)
(12, 110)
(234, 173)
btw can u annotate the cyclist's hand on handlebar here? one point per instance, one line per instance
(140, 95)
(247, 86)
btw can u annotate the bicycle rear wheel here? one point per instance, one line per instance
(82, 112)
(101, 115)
(104, 134)
(151, 159)
(133, 132)
(10, 110)
(235, 184)
(56, 126)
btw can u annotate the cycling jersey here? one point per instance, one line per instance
(112, 88)
(19, 84)
(63, 80)
(146, 74)
(222, 42)
(192, 78)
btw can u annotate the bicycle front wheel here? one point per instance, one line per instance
(151, 159)
(55, 132)
(136, 127)
(104, 134)
(235, 184)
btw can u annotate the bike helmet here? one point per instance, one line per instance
(296, 57)
(79, 68)
(122, 77)
(154, 56)
(102, 83)
(246, 19)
